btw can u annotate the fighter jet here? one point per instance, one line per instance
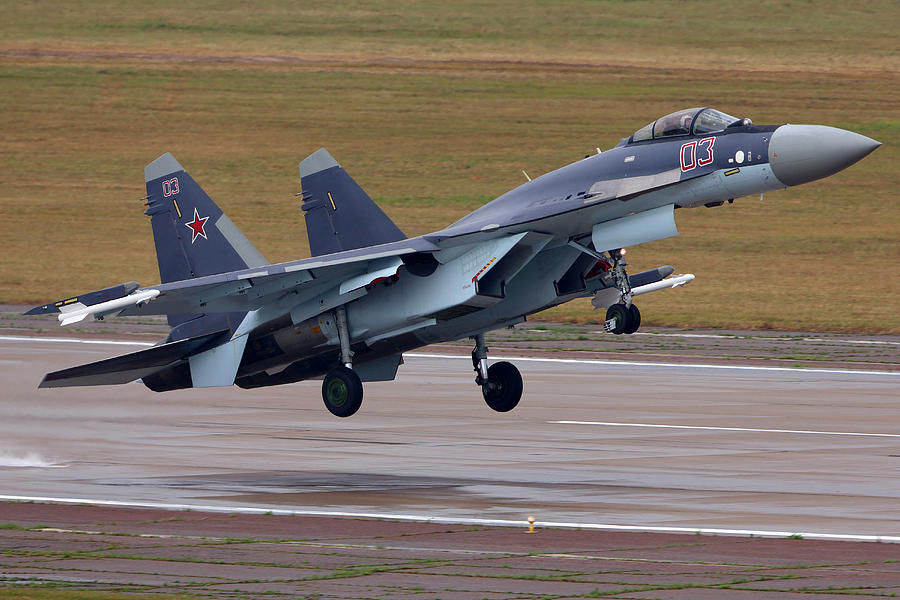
(368, 293)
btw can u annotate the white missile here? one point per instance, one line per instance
(76, 311)
(609, 296)
(669, 282)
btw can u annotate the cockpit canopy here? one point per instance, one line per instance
(687, 122)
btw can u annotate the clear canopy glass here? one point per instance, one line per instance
(710, 119)
(677, 123)
(685, 122)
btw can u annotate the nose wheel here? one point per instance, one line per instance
(501, 383)
(622, 319)
(504, 387)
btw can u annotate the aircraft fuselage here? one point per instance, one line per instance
(368, 293)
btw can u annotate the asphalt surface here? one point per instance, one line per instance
(426, 444)
(754, 450)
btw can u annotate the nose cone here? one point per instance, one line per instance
(802, 153)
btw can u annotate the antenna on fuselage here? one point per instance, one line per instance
(526, 175)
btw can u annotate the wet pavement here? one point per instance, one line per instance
(594, 442)
(591, 442)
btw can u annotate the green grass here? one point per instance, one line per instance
(48, 593)
(435, 110)
(800, 33)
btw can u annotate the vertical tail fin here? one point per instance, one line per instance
(339, 214)
(193, 236)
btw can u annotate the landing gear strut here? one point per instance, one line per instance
(623, 317)
(501, 383)
(342, 390)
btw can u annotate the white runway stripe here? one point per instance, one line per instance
(261, 510)
(801, 431)
(766, 338)
(579, 361)
(629, 363)
(16, 338)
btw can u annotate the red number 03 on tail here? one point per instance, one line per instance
(170, 187)
(697, 153)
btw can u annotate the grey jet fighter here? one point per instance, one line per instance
(368, 293)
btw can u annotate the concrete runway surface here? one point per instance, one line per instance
(643, 446)
(270, 557)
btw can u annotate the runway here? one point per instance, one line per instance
(593, 442)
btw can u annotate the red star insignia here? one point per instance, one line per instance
(197, 226)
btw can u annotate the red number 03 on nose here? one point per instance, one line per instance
(697, 153)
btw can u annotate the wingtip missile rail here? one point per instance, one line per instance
(97, 304)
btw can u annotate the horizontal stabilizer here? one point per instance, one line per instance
(128, 367)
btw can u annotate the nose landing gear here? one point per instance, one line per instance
(501, 383)
(623, 317)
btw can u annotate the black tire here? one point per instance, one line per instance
(504, 388)
(342, 392)
(621, 314)
(634, 320)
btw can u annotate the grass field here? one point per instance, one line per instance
(435, 110)
(48, 593)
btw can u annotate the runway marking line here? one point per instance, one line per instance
(579, 361)
(252, 510)
(766, 338)
(712, 428)
(17, 338)
(627, 363)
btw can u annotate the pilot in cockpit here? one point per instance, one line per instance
(686, 122)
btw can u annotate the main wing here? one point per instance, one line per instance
(247, 289)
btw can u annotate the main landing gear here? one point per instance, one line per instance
(342, 390)
(501, 383)
(623, 317)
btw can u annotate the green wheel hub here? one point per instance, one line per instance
(342, 391)
(337, 392)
